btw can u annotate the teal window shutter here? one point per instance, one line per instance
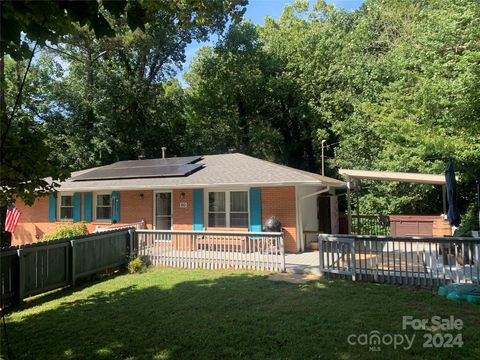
(115, 207)
(77, 206)
(255, 209)
(198, 209)
(52, 207)
(87, 206)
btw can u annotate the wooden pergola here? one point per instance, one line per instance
(417, 178)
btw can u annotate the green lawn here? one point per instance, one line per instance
(197, 314)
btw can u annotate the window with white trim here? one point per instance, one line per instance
(103, 207)
(228, 209)
(217, 215)
(238, 209)
(65, 209)
(163, 210)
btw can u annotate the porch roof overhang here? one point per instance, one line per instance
(119, 186)
(393, 176)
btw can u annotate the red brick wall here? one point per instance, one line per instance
(280, 202)
(134, 209)
(276, 201)
(34, 222)
(182, 217)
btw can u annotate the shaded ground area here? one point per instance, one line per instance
(201, 314)
(293, 278)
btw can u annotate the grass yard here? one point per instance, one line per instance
(198, 314)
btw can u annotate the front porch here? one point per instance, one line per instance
(222, 249)
(263, 251)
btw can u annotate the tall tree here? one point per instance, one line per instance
(239, 98)
(152, 43)
(155, 36)
(392, 86)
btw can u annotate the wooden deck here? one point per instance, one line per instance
(418, 261)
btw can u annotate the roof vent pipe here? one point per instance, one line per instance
(164, 152)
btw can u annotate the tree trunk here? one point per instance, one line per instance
(243, 124)
(5, 237)
(89, 64)
(18, 75)
(3, 100)
(3, 103)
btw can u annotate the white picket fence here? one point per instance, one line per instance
(212, 249)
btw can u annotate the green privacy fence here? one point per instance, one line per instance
(36, 268)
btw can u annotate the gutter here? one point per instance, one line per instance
(185, 186)
(327, 189)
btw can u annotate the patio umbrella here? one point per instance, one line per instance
(453, 215)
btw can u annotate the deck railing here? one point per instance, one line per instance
(137, 225)
(370, 225)
(425, 262)
(212, 249)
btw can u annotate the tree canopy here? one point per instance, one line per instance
(96, 82)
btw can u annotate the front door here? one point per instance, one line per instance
(163, 211)
(323, 214)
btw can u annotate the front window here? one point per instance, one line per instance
(66, 207)
(103, 208)
(163, 211)
(238, 209)
(228, 209)
(217, 216)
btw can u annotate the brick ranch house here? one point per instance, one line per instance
(230, 192)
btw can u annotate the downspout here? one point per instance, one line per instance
(300, 216)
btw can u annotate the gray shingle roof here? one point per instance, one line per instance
(219, 170)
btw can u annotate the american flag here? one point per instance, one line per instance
(11, 220)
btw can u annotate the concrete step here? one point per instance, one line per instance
(302, 269)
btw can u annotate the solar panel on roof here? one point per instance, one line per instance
(155, 162)
(132, 172)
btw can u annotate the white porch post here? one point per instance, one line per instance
(334, 214)
(444, 200)
(298, 213)
(349, 205)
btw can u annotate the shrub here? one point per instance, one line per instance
(66, 231)
(136, 265)
(469, 222)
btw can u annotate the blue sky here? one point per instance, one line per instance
(257, 10)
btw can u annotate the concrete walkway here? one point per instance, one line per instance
(303, 263)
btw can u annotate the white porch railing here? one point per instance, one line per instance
(138, 226)
(212, 249)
